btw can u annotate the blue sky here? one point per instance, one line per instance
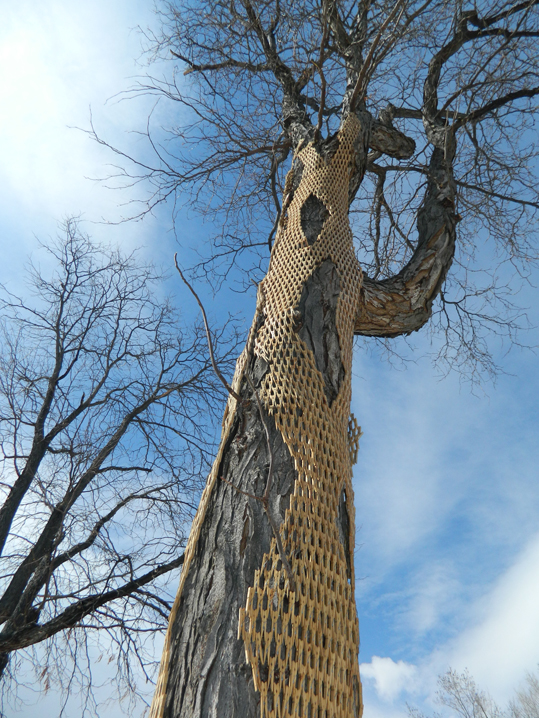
(447, 496)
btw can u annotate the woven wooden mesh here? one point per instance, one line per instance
(354, 435)
(302, 645)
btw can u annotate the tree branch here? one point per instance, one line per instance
(476, 115)
(206, 67)
(73, 615)
(359, 89)
(216, 369)
(403, 304)
(491, 193)
(390, 141)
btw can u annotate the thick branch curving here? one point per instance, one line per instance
(403, 304)
(390, 141)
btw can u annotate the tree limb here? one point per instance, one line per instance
(73, 615)
(403, 303)
(216, 369)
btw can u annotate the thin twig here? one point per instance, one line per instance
(208, 335)
(273, 230)
(275, 162)
(274, 528)
(358, 89)
(241, 491)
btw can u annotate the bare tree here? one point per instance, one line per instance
(460, 694)
(415, 122)
(526, 703)
(258, 83)
(106, 410)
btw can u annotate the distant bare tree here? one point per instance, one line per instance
(460, 693)
(526, 703)
(106, 412)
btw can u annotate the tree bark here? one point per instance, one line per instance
(403, 303)
(209, 675)
(268, 628)
(216, 663)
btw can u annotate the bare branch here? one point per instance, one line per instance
(216, 369)
(359, 89)
(76, 612)
(490, 107)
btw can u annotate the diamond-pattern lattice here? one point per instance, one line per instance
(354, 435)
(302, 645)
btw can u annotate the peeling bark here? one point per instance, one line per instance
(209, 676)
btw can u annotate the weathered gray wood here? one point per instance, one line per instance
(209, 676)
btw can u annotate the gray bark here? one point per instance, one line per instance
(209, 676)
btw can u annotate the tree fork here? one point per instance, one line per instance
(297, 362)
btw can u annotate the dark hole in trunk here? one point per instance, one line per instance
(313, 215)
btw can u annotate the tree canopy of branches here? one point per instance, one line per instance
(263, 77)
(106, 405)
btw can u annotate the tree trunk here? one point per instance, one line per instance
(259, 630)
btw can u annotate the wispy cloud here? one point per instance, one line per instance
(447, 504)
(503, 643)
(59, 59)
(498, 644)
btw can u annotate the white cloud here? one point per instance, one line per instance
(504, 642)
(374, 710)
(435, 593)
(499, 645)
(390, 678)
(398, 490)
(59, 59)
(440, 486)
(447, 500)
